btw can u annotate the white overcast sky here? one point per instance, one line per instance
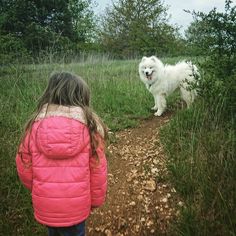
(178, 16)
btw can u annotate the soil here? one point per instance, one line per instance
(140, 198)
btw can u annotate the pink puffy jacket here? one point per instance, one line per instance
(55, 163)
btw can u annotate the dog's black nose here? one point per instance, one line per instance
(146, 73)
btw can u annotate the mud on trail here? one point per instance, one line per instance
(140, 198)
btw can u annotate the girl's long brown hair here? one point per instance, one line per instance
(68, 89)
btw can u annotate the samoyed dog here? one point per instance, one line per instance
(162, 80)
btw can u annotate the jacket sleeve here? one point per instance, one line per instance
(24, 164)
(98, 176)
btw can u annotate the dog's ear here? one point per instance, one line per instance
(144, 58)
(153, 58)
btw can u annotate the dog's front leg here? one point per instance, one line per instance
(155, 102)
(161, 105)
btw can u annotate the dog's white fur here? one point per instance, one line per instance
(162, 80)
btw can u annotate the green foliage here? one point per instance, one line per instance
(128, 29)
(118, 96)
(11, 49)
(131, 28)
(214, 34)
(201, 141)
(47, 25)
(201, 148)
(83, 19)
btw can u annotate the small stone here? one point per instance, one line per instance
(150, 185)
(137, 228)
(140, 197)
(132, 203)
(155, 161)
(154, 170)
(108, 232)
(164, 200)
(149, 223)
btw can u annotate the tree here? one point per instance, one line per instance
(47, 23)
(83, 19)
(213, 34)
(133, 27)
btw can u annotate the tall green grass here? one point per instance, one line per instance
(200, 145)
(201, 150)
(118, 96)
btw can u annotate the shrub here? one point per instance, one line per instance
(11, 49)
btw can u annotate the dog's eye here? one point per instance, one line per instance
(150, 67)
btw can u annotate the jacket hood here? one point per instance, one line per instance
(59, 134)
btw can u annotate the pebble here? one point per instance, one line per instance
(108, 232)
(132, 203)
(164, 200)
(150, 185)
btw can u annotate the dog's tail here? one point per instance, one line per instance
(195, 74)
(194, 70)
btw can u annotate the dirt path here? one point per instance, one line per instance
(140, 199)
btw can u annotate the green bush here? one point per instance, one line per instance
(213, 34)
(200, 141)
(12, 50)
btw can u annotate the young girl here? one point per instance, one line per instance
(61, 157)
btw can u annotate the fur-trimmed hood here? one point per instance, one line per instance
(72, 112)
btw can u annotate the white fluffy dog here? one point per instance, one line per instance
(162, 80)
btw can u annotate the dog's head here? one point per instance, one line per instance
(148, 69)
